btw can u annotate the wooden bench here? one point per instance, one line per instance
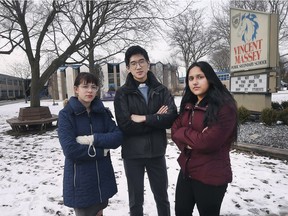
(32, 118)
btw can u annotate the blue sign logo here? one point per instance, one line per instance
(248, 27)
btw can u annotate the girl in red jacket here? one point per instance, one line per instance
(204, 132)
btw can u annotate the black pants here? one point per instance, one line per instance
(91, 210)
(157, 175)
(189, 192)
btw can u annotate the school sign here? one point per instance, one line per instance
(250, 35)
(254, 57)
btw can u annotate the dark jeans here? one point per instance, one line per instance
(157, 175)
(189, 192)
(91, 210)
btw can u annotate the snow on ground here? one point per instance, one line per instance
(280, 96)
(31, 168)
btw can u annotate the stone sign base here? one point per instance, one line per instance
(253, 102)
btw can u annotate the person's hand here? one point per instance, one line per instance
(163, 109)
(106, 152)
(85, 140)
(138, 118)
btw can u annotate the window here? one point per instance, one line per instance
(11, 93)
(3, 81)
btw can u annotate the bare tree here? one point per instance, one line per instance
(281, 8)
(26, 25)
(20, 69)
(190, 37)
(68, 27)
(250, 5)
(119, 24)
(23, 71)
(220, 58)
(220, 26)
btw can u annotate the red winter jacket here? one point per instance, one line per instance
(208, 161)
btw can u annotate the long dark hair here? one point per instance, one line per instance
(216, 96)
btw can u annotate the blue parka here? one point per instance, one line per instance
(87, 179)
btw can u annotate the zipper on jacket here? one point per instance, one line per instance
(187, 152)
(96, 163)
(191, 117)
(98, 178)
(75, 175)
(91, 146)
(192, 114)
(89, 116)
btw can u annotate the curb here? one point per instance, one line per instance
(267, 151)
(263, 150)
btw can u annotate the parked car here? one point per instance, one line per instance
(284, 84)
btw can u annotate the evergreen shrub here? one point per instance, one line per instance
(276, 106)
(268, 116)
(283, 116)
(284, 104)
(243, 114)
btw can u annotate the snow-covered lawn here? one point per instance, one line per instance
(31, 169)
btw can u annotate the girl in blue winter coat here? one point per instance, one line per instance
(86, 133)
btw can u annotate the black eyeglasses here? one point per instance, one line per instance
(141, 63)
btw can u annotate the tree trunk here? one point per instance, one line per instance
(91, 62)
(92, 68)
(34, 95)
(35, 87)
